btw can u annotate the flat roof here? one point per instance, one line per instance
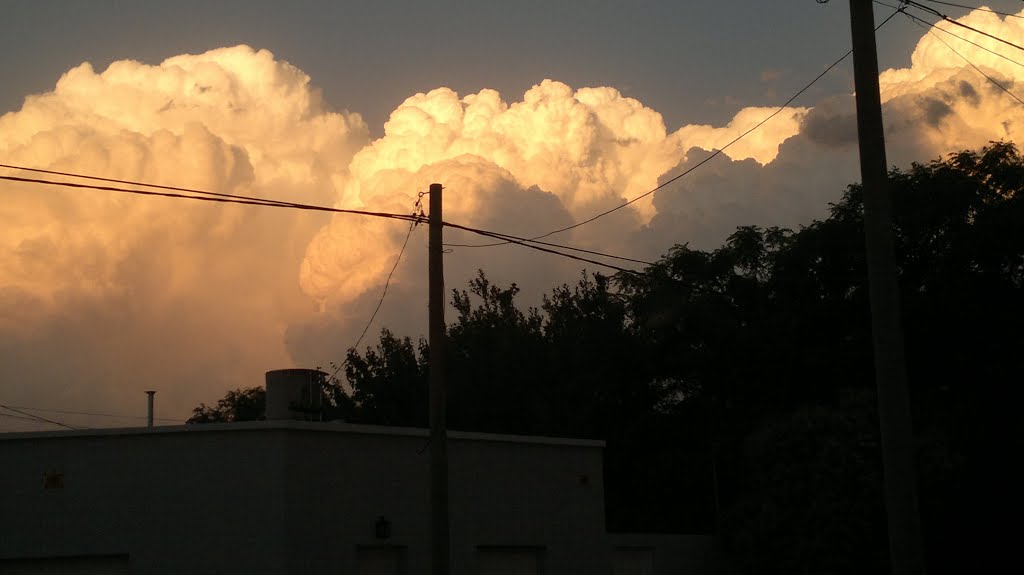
(316, 426)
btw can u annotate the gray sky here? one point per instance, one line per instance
(102, 297)
(695, 62)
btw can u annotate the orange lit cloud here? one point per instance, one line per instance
(103, 296)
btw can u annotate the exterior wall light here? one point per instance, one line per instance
(53, 480)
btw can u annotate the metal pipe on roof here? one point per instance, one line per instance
(149, 412)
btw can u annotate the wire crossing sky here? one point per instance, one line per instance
(206, 196)
(534, 116)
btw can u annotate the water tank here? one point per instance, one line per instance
(295, 394)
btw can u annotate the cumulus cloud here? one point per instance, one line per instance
(349, 259)
(937, 106)
(703, 208)
(958, 106)
(557, 153)
(521, 168)
(761, 145)
(581, 145)
(103, 296)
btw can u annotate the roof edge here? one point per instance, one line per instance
(313, 426)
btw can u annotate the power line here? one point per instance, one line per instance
(144, 184)
(935, 12)
(94, 414)
(964, 58)
(714, 153)
(247, 200)
(41, 418)
(560, 246)
(957, 36)
(880, 3)
(978, 8)
(387, 283)
(509, 239)
(524, 243)
(223, 198)
(12, 416)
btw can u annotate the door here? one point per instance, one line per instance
(380, 560)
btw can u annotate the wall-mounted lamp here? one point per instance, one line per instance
(53, 480)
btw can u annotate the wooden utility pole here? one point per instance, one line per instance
(438, 404)
(906, 548)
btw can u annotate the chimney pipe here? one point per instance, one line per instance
(149, 413)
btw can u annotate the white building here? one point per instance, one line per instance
(283, 497)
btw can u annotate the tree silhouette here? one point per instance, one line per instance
(389, 383)
(247, 404)
(752, 364)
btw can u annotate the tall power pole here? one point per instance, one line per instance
(906, 548)
(438, 404)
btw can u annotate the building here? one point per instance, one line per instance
(285, 496)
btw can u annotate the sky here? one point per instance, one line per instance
(534, 116)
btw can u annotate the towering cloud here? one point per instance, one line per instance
(952, 104)
(103, 296)
(940, 104)
(590, 149)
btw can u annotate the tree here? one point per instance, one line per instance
(389, 383)
(771, 331)
(814, 503)
(755, 360)
(249, 404)
(496, 365)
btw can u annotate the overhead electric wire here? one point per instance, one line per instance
(223, 198)
(508, 238)
(957, 36)
(880, 3)
(94, 414)
(12, 416)
(553, 245)
(40, 418)
(387, 283)
(538, 248)
(978, 8)
(713, 155)
(143, 184)
(919, 22)
(935, 12)
(247, 200)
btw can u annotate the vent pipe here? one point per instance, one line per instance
(149, 412)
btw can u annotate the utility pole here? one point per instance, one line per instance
(438, 403)
(906, 547)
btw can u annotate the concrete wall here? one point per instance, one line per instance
(669, 554)
(503, 494)
(186, 502)
(536, 496)
(292, 497)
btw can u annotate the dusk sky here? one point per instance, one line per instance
(691, 61)
(534, 115)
